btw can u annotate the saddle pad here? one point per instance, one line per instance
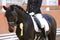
(35, 25)
(43, 21)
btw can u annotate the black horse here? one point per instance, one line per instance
(16, 15)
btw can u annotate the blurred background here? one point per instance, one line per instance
(51, 7)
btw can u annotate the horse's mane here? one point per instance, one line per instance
(12, 7)
(20, 11)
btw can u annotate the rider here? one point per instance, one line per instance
(34, 6)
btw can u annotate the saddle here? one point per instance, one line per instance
(39, 22)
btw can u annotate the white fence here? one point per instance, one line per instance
(58, 31)
(13, 36)
(9, 36)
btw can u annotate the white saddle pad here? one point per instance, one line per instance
(43, 22)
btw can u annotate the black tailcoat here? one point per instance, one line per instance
(34, 6)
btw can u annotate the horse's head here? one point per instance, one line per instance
(10, 14)
(14, 14)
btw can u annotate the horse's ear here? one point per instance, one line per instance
(5, 7)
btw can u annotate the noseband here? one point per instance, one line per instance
(13, 22)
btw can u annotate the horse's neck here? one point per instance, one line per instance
(23, 16)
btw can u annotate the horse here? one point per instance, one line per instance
(17, 18)
(16, 15)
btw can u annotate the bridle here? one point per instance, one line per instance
(13, 23)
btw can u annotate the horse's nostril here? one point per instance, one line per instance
(11, 28)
